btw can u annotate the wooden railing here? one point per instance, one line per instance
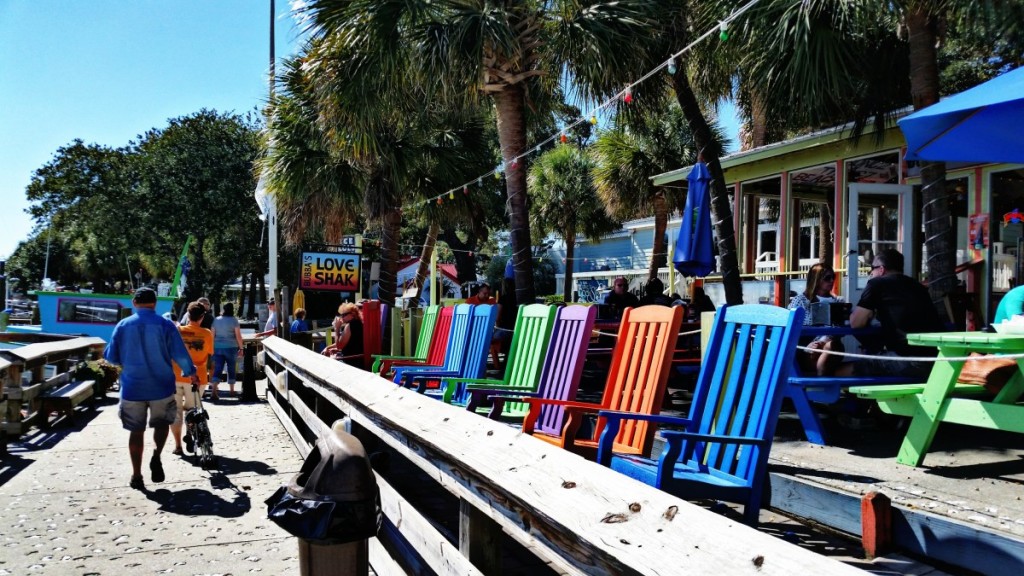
(23, 372)
(579, 517)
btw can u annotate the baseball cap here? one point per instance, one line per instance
(144, 296)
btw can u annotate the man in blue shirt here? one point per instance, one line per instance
(144, 345)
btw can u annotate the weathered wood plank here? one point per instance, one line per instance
(434, 550)
(41, 351)
(589, 518)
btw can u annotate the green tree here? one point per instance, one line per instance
(564, 200)
(459, 51)
(195, 177)
(629, 156)
(81, 197)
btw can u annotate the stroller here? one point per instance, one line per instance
(197, 432)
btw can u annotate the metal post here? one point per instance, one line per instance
(249, 374)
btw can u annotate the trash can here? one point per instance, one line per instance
(332, 505)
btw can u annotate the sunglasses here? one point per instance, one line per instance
(877, 266)
(828, 277)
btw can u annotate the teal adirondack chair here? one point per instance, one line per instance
(530, 338)
(559, 377)
(722, 450)
(427, 325)
(446, 353)
(467, 356)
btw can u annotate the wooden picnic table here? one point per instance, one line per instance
(941, 399)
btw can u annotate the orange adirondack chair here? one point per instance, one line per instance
(637, 378)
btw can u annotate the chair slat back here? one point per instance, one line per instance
(530, 339)
(639, 371)
(741, 384)
(371, 312)
(449, 323)
(427, 326)
(384, 318)
(563, 364)
(477, 341)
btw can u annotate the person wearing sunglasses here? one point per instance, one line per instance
(902, 306)
(620, 297)
(821, 280)
(348, 336)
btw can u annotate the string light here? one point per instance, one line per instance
(626, 95)
(465, 190)
(451, 195)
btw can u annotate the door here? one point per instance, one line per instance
(881, 216)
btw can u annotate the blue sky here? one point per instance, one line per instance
(106, 71)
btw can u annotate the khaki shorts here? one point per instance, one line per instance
(184, 399)
(133, 413)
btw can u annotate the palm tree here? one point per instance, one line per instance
(564, 200)
(629, 156)
(461, 50)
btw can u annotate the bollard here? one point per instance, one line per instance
(876, 524)
(332, 505)
(249, 374)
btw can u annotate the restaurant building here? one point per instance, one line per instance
(827, 193)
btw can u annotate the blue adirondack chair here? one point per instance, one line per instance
(722, 450)
(458, 333)
(476, 345)
(559, 376)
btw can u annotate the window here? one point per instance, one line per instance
(84, 311)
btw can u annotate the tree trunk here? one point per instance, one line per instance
(570, 252)
(465, 263)
(241, 295)
(251, 312)
(509, 107)
(658, 250)
(721, 211)
(826, 235)
(940, 236)
(391, 231)
(423, 270)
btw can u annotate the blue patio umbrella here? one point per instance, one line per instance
(693, 253)
(982, 124)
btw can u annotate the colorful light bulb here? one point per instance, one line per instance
(672, 66)
(627, 96)
(723, 31)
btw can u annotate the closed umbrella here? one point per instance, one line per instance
(693, 252)
(982, 124)
(299, 300)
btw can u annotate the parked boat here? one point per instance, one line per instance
(84, 314)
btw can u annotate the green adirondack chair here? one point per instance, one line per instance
(427, 326)
(530, 339)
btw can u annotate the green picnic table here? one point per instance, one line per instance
(942, 399)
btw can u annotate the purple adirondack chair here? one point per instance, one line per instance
(560, 377)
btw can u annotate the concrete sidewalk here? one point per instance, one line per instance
(67, 508)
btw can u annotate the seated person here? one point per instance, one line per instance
(820, 281)
(654, 293)
(482, 296)
(1011, 305)
(902, 306)
(348, 336)
(620, 297)
(299, 324)
(701, 302)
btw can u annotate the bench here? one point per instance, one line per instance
(899, 399)
(803, 390)
(63, 400)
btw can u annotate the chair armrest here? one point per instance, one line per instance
(480, 396)
(479, 383)
(672, 436)
(612, 423)
(536, 404)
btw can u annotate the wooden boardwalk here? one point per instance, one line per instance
(67, 509)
